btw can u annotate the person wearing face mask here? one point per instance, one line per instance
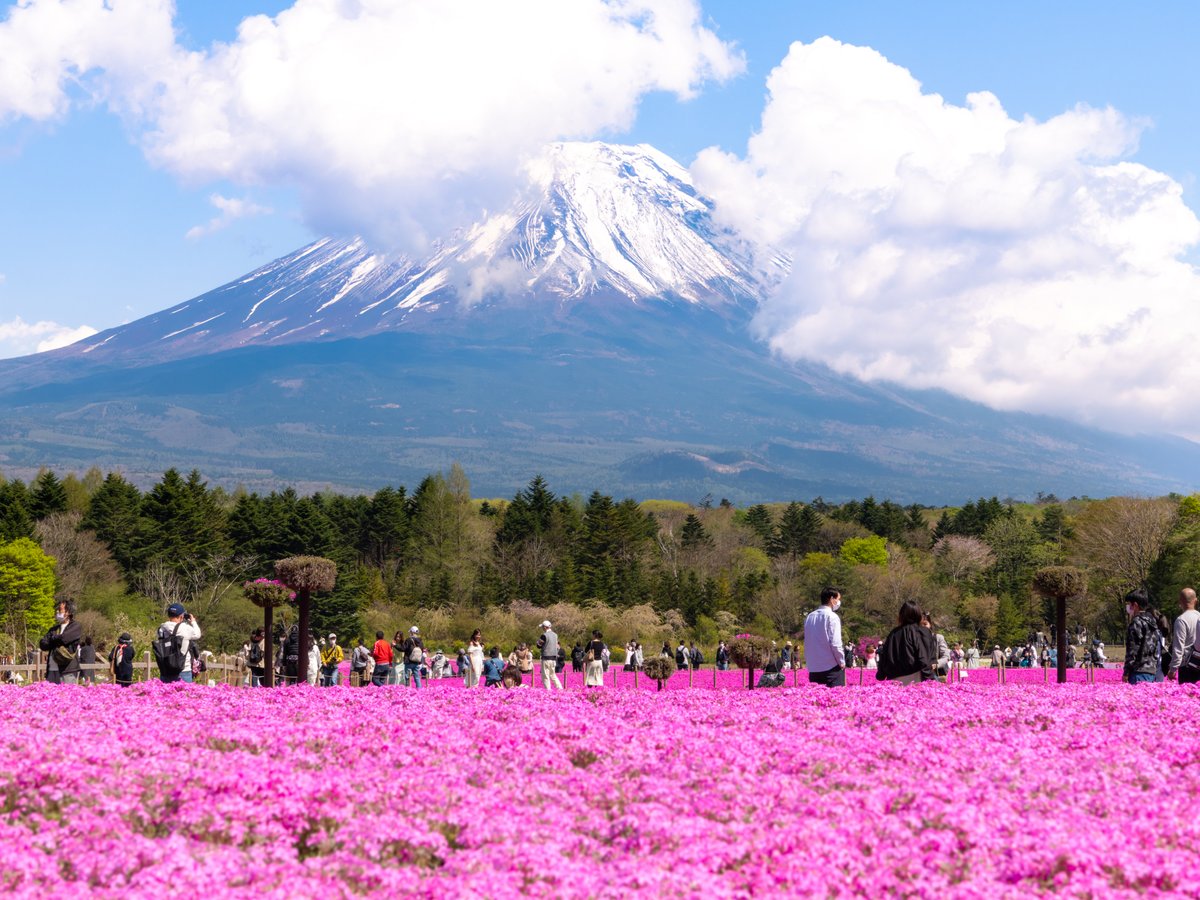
(823, 653)
(61, 646)
(1143, 642)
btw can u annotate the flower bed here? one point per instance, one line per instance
(926, 791)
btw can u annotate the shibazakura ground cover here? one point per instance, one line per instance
(1079, 790)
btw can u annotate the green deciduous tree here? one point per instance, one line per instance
(26, 587)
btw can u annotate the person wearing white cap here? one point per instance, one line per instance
(548, 646)
(331, 659)
(414, 656)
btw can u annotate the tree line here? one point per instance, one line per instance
(660, 570)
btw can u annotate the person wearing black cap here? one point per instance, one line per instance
(182, 627)
(120, 660)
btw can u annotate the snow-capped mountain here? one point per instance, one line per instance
(596, 331)
(599, 224)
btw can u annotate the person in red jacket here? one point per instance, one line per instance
(383, 659)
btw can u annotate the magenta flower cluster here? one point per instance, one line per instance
(960, 791)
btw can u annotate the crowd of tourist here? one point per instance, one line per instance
(1156, 649)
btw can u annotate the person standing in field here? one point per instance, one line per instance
(1184, 635)
(475, 659)
(331, 659)
(722, 656)
(823, 652)
(183, 628)
(547, 645)
(908, 654)
(382, 655)
(1143, 641)
(414, 656)
(359, 659)
(121, 660)
(594, 661)
(61, 646)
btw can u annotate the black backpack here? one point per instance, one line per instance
(255, 656)
(168, 650)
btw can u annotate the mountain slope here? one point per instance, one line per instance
(595, 332)
(601, 223)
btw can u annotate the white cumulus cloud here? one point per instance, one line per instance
(21, 338)
(229, 210)
(1026, 264)
(397, 119)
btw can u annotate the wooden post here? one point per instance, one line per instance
(635, 678)
(147, 656)
(690, 671)
(302, 663)
(1061, 625)
(268, 678)
(714, 676)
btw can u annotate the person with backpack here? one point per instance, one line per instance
(120, 660)
(176, 645)
(291, 655)
(682, 659)
(577, 658)
(414, 656)
(256, 654)
(359, 659)
(722, 656)
(696, 656)
(331, 659)
(61, 645)
(1143, 642)
(493, 668)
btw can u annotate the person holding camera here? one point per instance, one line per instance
(61, 646)
(182, 628)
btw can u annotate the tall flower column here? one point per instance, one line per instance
(268, 593)
(306, 575)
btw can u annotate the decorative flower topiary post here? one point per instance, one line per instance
(268, 593)
(306, 575)
(660, 668)
(749, 651)
(1060, 583)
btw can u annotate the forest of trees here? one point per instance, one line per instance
(654, 570)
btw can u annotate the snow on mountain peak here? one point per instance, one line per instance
(598, 223)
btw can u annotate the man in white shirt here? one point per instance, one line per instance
(823, 652)
(1183, 638)
(183, 625)
(548, 645)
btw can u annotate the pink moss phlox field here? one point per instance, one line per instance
(960, 791)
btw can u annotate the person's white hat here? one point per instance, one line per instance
(545, 623)
(414, 629)
(333, 637)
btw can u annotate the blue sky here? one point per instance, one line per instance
(95, 229)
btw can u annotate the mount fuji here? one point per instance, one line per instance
(597, 331)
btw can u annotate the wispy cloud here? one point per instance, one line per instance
(230, 210)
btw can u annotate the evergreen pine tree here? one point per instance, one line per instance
(758, 520)
(47, 496)
(693, 536)
(15, 521)
(113, 514)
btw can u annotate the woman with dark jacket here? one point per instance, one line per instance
(908, 653)
(61, 646)
(121, 660)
